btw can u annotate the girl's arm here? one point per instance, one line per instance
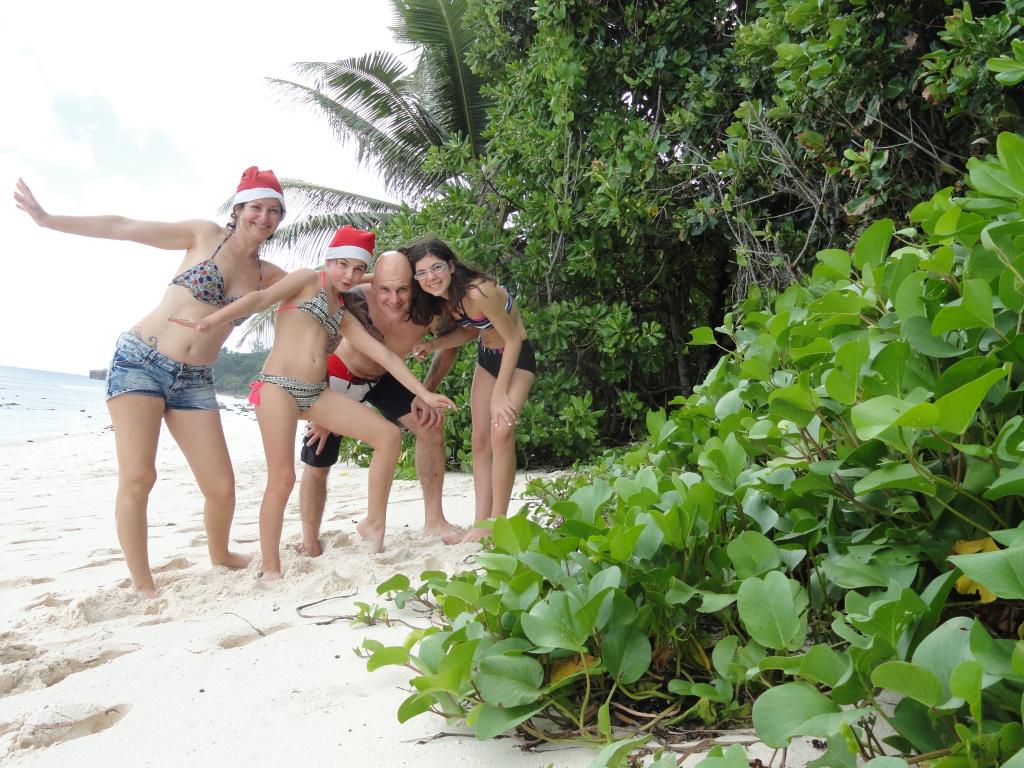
(180, 235)
(492, 305)
(363, 342)
(458, 337)
(253, 302)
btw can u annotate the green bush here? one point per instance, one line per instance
(787, 543)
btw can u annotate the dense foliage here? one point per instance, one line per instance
(826, 536)
(647, 162)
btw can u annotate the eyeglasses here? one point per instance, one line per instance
(423, 274)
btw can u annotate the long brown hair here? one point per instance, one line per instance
(426, 307)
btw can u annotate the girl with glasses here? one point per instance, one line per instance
(505, 369)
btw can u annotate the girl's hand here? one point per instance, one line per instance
(502, 410)
(195, 325)
(421, 350)
(440, 402)
(26, 201)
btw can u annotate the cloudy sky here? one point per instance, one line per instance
(150, 111)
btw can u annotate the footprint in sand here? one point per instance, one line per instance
(231, 638)
(96, 564)
(44, 670)
(49, 600)
(177, 564)
(105, 551)
(24, 581)
(112, 604)
(391, 556)
(341, 541)
(63, 722)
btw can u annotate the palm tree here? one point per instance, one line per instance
(394, 114)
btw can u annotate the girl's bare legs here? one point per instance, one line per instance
(200, 436)
(500, 452)
(483, 457)
(345, 417)
(136, 420)
(278, 416)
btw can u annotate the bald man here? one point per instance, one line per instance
(383, 307)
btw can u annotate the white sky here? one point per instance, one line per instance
(150, 111)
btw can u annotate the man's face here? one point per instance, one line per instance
(393, 293)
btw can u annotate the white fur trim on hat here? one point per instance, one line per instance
(348, 252)
(258, 194)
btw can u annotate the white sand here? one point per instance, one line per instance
(220, 670)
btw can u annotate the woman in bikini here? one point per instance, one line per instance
(293, 385)
(162, 372)
(505, 367)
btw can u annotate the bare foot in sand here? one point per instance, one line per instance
(475, 534)
(373, 536)
(233, 560)
(270, 576)
(313, 547)
(147, 594)
(450, 534)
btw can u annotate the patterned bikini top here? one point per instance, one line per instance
(206, 283)
(318, 309)
(482, 323)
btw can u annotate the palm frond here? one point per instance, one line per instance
(304, 241)
(438, 28)
(260, 328)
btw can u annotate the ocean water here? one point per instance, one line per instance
(45, 403)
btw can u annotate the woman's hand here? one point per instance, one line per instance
(421, 350)
(196, 325)
(26, 201)
(440, 402)
(502, 410)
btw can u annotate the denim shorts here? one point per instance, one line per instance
(139, 369)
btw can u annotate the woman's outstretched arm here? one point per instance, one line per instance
(173, 236)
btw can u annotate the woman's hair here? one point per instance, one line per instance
(426, 307)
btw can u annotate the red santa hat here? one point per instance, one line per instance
(256, 185)
(351, 243)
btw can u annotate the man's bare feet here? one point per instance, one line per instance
(313, 547)
(374, 536)
(449, 534)
(233, 560)
(475, 534)
(149, 593)
(270, 575)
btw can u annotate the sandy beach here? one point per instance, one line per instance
(220, 670)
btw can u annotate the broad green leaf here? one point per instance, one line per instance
(732, 756)
(1001, 572)
(489, 721)
(625, 653)
(894, 476)
(822, 665)
(752, 554)
(873, 244)
(909, 680)
(972, 310)
(956, 410)
(614, 755)
(509, 681)
(1010, 149)
(773, 611)
(552, 623)
(917, 332)
(702, 336)
(872, 418)
(414, 705)
(779, 712)
(886, 762)
(966, 683)
(392, 655)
